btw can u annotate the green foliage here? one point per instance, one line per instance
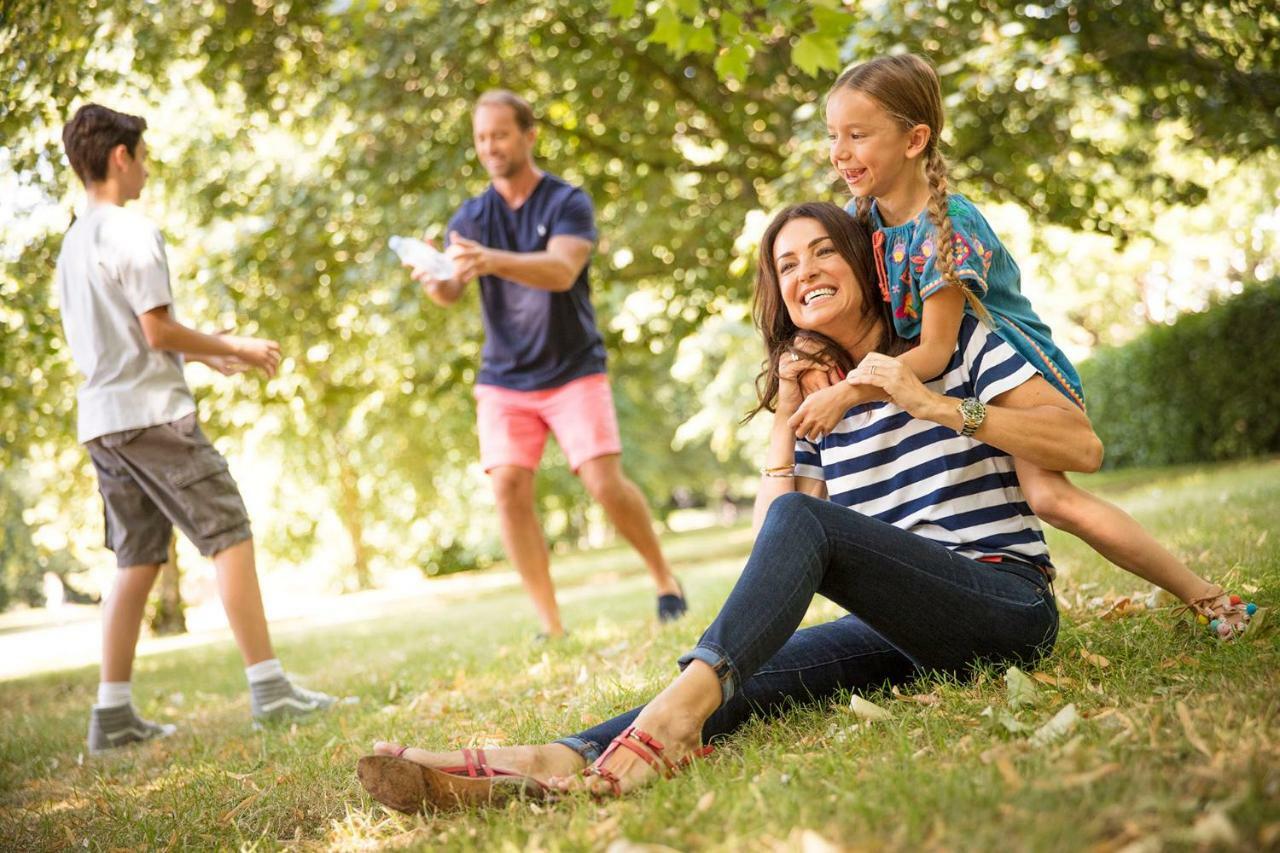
(291, 140)
(1206, 387)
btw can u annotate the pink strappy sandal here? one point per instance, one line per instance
(412, 788)
(648, 748)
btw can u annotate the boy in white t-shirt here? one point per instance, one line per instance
(137, 419)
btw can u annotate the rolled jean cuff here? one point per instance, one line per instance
(716, 658)
(587, 749)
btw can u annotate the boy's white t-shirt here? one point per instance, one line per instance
(112, 268)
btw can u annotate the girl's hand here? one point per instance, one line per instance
(789, 394)
(901, 385)
(812, 375)
(821, 411)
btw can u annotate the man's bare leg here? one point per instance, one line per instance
(524, 543)
(627, 508)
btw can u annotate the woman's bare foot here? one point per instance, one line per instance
(539, 762)
(673, 719)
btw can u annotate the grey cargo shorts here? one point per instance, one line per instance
(154, 478)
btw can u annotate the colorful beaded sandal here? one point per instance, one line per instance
(409, 787)
(1226, 615)
(648, 748)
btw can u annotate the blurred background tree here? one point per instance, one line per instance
(1127, 151)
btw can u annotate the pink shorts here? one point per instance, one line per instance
(514, 424)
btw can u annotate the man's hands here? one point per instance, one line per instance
(442, 291)
(471, 259)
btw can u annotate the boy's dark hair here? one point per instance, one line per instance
(91, 135)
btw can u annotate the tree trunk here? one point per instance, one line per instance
(352, 521)
(168, 614)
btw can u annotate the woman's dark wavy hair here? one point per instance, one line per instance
(852, 240)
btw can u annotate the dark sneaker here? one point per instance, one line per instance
(281, 699)
(120, 725)
(672, 606)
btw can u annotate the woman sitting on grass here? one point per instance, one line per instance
(908, 515)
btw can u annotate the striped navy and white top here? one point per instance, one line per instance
(923, 477)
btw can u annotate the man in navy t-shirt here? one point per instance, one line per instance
(528, 239)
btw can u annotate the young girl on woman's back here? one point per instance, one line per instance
(937, 257)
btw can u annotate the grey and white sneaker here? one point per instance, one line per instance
(119, 725)
(281, 699)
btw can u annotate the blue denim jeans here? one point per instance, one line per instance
(914, 605)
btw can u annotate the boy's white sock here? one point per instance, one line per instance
(112, 694)
(264, 670)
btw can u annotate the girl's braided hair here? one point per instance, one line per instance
(907, 87)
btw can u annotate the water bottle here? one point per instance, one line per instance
(423, 258)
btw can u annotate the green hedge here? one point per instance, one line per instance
(1205, 388)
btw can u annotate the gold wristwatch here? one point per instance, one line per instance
(974, 412)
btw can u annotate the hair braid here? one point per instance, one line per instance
(945, 259)
(863, 209)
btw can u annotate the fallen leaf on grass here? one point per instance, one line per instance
(1088, 777)
(1021, 691)
(1189, 729)
(1123, 606)
(1097, 660)
(869, 711)
(1052, 680)
(1213, 829)
(1061, 724)
(1260, 617)
(602, 829)
(626, 845)
(918, 698)
(806, 841)
(240, 806)
(1002, 719)
(1009, 773)
(705, 801)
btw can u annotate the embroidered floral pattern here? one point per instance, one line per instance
(907, 273)
(882, 275)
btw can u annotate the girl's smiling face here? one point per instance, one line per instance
(870, 149)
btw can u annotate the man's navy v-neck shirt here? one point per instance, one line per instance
(534, 339)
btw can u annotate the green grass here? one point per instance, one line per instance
(1176, 744)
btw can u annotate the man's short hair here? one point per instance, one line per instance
(507, 98)
(91, 135)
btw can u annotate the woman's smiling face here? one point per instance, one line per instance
(819, 288)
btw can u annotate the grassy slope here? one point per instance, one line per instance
(1177, 741)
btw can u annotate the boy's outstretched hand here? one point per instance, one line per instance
(256, 352)
(227, 365)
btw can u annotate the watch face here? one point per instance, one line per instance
(974, 412)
